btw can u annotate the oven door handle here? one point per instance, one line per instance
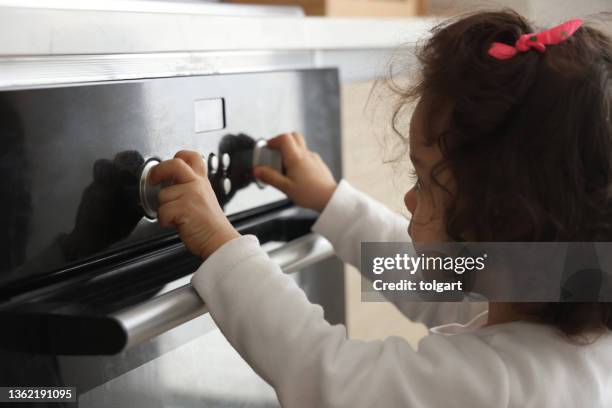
(164, 312)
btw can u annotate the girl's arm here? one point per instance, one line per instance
(267, 318)
(350, 217)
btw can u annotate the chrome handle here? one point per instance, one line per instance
(162, 313)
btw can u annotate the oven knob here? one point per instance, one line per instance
(213, 163)
(225, 161)
(264, 156)
(227, 185)
(148, 194)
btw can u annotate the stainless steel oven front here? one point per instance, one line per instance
(93, 293)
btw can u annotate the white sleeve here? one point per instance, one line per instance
(269, 321)
(351, 217)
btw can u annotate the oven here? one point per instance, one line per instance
(94, 294)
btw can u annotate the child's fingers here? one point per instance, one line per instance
(272, 177)
(288, 146)
(299, 139)
(193, 159)
(173, 169)
(171, 214)
(275, 142)
(171, 193)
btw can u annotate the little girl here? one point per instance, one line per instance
(511, 140)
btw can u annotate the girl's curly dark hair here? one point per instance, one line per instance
(529, 142)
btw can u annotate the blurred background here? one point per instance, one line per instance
(543, 10)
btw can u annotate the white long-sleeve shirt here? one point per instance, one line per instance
(310, 363)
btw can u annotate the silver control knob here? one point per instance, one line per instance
(227, 185)
(213, 163)
(225, 161)
(147, 192)
(264, 156)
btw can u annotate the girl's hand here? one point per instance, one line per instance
(190, 205)
(308, 181)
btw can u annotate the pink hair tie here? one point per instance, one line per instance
(539, 41)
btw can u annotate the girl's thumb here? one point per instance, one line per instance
(272, 177)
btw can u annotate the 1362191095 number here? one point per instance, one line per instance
(49, 394)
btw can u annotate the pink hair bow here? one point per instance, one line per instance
(539, 41)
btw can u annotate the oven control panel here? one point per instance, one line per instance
(74, 181)
(229, 170)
